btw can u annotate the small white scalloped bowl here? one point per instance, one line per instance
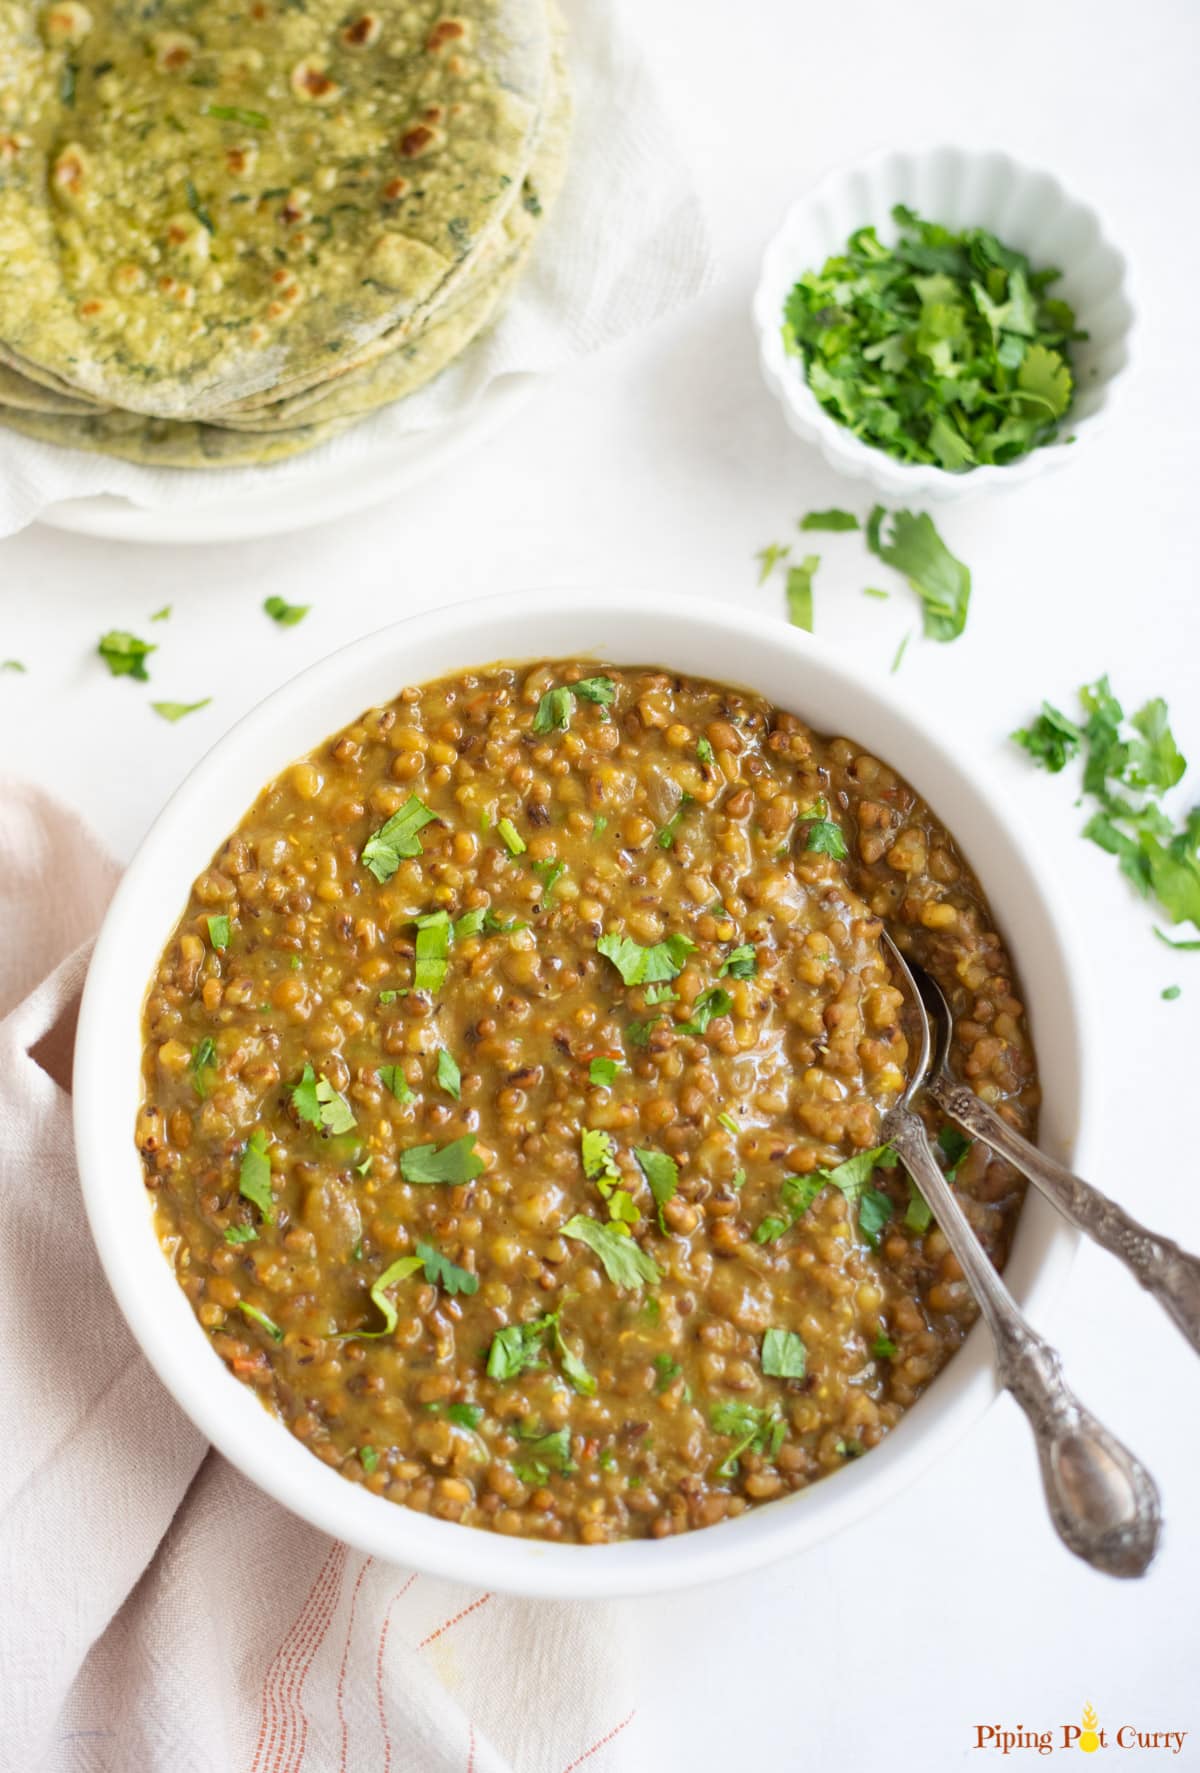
(1026, 209)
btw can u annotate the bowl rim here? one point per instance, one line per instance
(148, 901)
(840, 446)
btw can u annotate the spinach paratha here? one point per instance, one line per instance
(203, 202)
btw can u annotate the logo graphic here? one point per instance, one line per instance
(1089, 1742)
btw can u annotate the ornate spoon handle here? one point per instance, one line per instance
(1170, 1274)
(1103, 1502)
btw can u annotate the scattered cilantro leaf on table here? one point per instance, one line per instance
(1130, 762)
(800, 592)
(126, 655)
(286, 614)
(914, 547)
(832, 519)
(173, 711)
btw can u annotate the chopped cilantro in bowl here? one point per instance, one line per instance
(908, 325)
(940, 346)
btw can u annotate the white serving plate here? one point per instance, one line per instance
(266, 505)
(625, 626)
(1026, 209)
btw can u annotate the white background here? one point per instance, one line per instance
(665, 463)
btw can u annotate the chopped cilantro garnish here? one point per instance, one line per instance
(441, 1272)
(742, 963)
(716, 1001)
(663, 993)
(603, 1072)
(830, 520)
(551, 873)
(918, 1215)
(240, 1234)
(825, 837)
(391, 1276)
(448, 1075)
(496, 926)
(625, 1262)
(365, 1167)
(874, 591)
(883, 1348)
(254, 1175)
(554, 711)
(751, 1429)
(368, 1458)
(462, 1415)
(1171, 993)
(598, 1155)
(452, 1163)
(432, 951)
(517, 1348)
(704, 750)
(261, 1319)
(125, 655)
(899, 654)
(662, 1174)
(316, 1101)
(941, 348)
(666, 837)
(552, 1449)
(797, 1194)
(874, 1211)
(646, 966)
(218, 931)
(286, 614)
(800, 592)
(16, 665)
(727, 1121)
(954, 1147)
(596, 689)
(666, 1370)
(392, 1078)
(915, 549)
(637, 1034)
(386, 997)
(850, 1449)
(784, 1355)
(469, 924)
(176, 710)
(599, 825)
(513, 842)
(769, 556)
(396, 838)
(201, 1063)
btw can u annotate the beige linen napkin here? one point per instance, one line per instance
(158, 1614)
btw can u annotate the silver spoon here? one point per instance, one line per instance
(1169, 1274)
(1103, 1502)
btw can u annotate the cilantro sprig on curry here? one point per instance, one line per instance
(513, 1083)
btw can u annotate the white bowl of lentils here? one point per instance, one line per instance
(597, 1497)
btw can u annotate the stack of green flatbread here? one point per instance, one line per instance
(231, 228)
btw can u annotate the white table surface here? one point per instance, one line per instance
(665, 463)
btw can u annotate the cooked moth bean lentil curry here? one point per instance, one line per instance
(513, 1087)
